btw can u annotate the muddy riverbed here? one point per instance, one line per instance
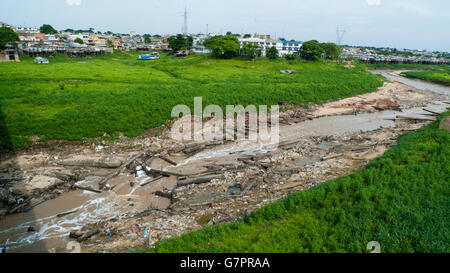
(130, 193)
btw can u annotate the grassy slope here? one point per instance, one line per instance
(443, 67)
(75, 99)
(436, 77)
(400, 200)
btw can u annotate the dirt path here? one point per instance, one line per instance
(105, 197)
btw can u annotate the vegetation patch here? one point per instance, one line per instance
(441, 67)
(436, 77)
(78, 99)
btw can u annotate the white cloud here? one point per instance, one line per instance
(73, 2)
(373, 2)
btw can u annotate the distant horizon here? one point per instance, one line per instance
(400, 24)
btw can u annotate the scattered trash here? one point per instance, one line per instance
(234, 191)
(135, 229)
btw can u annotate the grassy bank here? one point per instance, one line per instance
(443, 67)
(435, 77)
(76, 99)
(400, 200)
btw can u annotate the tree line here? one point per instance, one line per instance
(228, 46)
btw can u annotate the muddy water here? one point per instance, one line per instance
(419, 84)
(51, 231)
(323, 126)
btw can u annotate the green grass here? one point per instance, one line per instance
(78, 99)
(436, 77)
(400, 200)
(441, 67)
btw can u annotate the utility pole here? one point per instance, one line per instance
(340, 35)
(185, 25)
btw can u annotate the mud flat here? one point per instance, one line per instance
(133, 192)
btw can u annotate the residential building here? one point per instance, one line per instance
(200, 49)
(21, 29)
(264, 44)
(288, 47)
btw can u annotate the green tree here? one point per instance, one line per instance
(180, 42)
(7, 35)
(147, 39)
(48, 29)
(291, 56)
(79, 41)
(225, 47)
(272, 53)
(251, 50)
(332, 51)
(247, 35)
(109, 43)
(311, 50)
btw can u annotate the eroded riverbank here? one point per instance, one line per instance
(316, 145)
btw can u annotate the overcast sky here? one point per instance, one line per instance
(415, 24)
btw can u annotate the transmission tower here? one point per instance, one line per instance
(340, 35)
(185, 25)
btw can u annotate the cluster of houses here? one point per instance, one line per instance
(36, 44)
(393, 56)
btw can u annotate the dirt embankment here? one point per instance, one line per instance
(156, 187)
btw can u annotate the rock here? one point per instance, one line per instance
(31, 229)
(445, 123)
